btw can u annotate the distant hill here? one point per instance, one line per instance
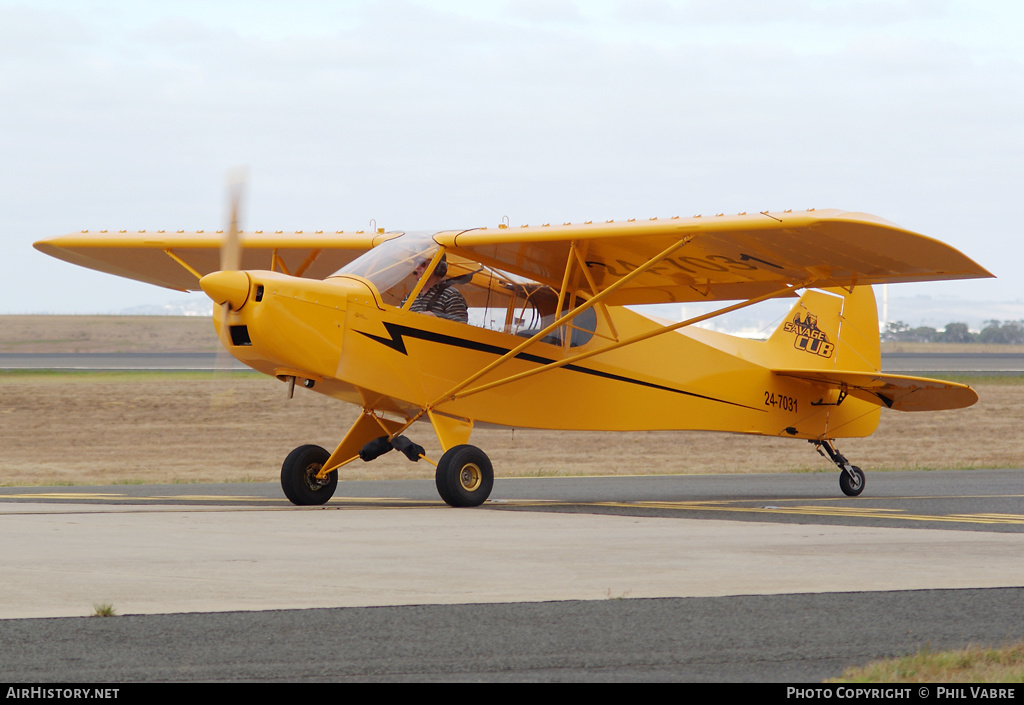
(200, 307)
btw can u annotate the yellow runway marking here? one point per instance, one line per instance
(991, 518)
(112, 497)
(118, 497)
(699, 505)
(61, 495)
(812, 510)
(187, 497)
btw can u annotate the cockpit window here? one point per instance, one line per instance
(496, 300)
(389, 266)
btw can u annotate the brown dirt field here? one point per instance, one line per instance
(107, 334)
(107, 428)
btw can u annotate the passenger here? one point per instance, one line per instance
(439, 297)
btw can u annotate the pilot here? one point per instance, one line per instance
(439, 297)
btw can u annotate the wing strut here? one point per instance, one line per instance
(565, 277)
(451, 393)
(593, 289)
(307, 263)
(276, 261)
(457, 394)
(170, 253)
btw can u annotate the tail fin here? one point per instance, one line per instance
(829, 329)
(830, 338)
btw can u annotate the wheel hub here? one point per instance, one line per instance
(470, 477)
(312, 482)
(855, 479)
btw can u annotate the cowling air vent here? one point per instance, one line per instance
(240, 335)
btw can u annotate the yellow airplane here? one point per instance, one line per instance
(536, 333)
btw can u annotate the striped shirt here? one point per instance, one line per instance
(444, 301)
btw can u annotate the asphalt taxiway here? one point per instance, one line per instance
(656, 561)
(209, 548)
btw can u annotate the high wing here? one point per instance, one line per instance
(177, 260)
(670, 260)
(715, 258)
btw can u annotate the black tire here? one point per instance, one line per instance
(852, 486)
(298, 476)
(464, 476)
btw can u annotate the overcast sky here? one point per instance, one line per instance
(128, 115)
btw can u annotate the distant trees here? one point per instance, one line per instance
(903, 333)
(956, 333)
(1008, 332)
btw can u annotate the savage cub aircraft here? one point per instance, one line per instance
(538, 334)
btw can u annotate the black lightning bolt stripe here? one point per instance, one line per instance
(399, 333)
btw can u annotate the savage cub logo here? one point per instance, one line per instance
(808, 337)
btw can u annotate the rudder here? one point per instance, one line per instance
(829, 329)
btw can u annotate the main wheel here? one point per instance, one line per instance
(464, 476)
(852, 486)
(298, 476)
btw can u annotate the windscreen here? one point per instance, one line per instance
(389, 266)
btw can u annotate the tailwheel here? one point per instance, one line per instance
(299, 480)
(851, 477)
(464, 476)
(851, 481)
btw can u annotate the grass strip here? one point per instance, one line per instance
(974, 664)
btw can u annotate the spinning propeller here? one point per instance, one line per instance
(229, 287)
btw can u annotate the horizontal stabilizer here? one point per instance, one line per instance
(892, 391)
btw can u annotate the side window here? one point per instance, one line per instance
(581, 329)
(498, 302)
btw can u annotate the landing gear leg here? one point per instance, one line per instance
(851, 477)
(301, 473)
